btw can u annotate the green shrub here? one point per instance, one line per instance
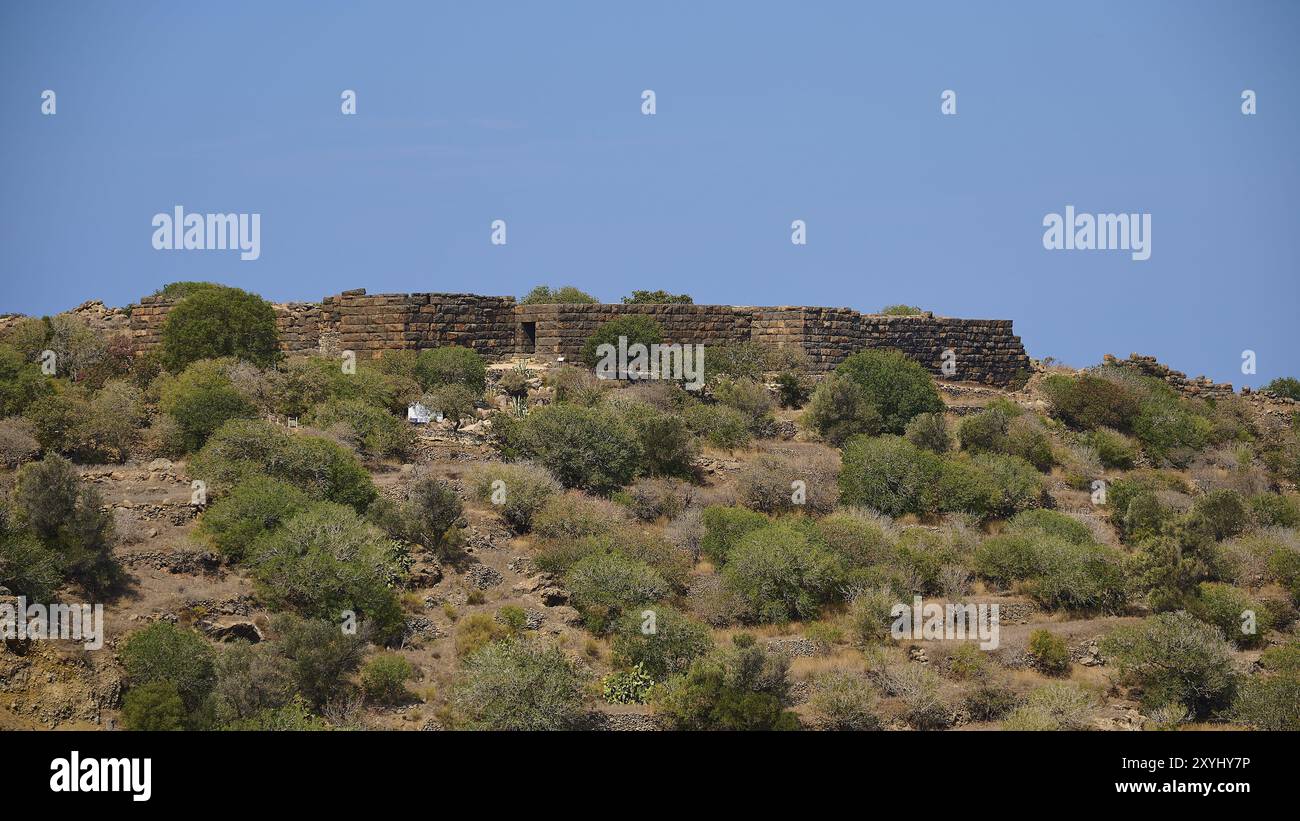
(1050, 523)
(780, 574)
(792, 389)
(21, 382)
(326, 560)
(219, 321)
(164, 652)
(722, 427)
(586, 448)
(635, 327)
(658, 297)
(427, 513)
(1219, 514)
(890, 475)
(841, 408)
(1170, 432)
(451, 365)
(736, 360)
(18, 442)
(1018, 484)
(27, 567)
(384, 678)
(1049, 652)
(524, 489)
(844, 701)
(602, 586)
(629, 686)
(751, 399)
(724, 527)
(857, 537)
(1175, 658)
(1225, 607)
(870, 613)
(1114, 449)
(153, 707)
(991, 702)
(320, 654)
(740, 687)
(303, 382)
(202, 399)
(667, 444)
(662, 647)
(65, 516)
(898, 387)
(519, 685)
(573, 515)
(243, 448)
(1057, 572)
(1088, 402)
(565, 295)
(1269, 702)
(251, 678)
(255, 507)
(1059, 706)
(901, 310)
(1287, 386)
(373, 430)
(930, 432)
(1274, 510)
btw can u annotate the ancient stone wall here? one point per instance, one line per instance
(985, 350)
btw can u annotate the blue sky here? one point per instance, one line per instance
(766, 113)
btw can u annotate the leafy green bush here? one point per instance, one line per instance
(740, 687)
(1050, 523)
(629, 686)
(565, 295)
(451, 365)
(1287, 386)
(1170, 431)
(326, 560)
(1219, 514)
(427, 513)
(667, 444)
(751, 399)
(519, 685)
(65, 516)
(991, 702)
(1274, 510)
(636, 327)
(857, 537)
(901, 310)
(384, 678)
(373, 430)
(792, 389)
(588, 448)
(841, 408)
(21, 382)
(602, 586)
(1088, 402)
(321, 655)
(243, 448)
(844, 701)
(18, 442)
(1225, 607)
(663, 647)
(256, 506)
(219, 321)
(722, 427)
(524, 489)
(898, 387)
(1175, 658)
(779, 573)
(930, 432)
(202, 399)
(1269, 702)
(724, 527)
(164, 652)
(1114, 448)
(153, 707)
(251, 678)
(1058, 706)
(476, 631)
(303, 382)
(573, 515)
(27, 567)
(658, 297)
(1049, 652)
(890, 475)
(1057, 572)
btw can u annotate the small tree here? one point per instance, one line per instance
(219, 321)
(153, 707)
(163, 652)
(637, 329)
(451, 365)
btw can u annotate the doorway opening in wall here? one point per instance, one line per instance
(530, 337)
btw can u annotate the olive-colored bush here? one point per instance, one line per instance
(219, 321)
(451, 365)
(519, 490)
(1175, 658)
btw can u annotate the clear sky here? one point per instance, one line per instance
(766, 113)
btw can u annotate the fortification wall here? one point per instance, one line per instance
(986, 350)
